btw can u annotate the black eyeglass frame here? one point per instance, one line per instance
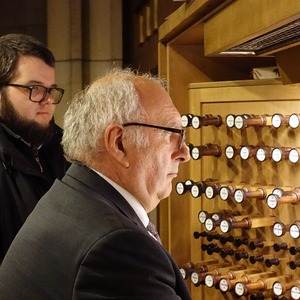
(175, 130)
(47, 91)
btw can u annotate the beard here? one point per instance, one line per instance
(30, 131)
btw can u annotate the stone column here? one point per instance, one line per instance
(102, 37)
(64, 39)
(86, 39)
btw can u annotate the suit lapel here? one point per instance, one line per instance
(87, 181)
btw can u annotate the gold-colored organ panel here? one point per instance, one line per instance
(243, 186)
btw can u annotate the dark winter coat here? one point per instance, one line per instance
(25, 179)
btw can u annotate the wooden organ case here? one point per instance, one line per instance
(232, 221)
(255, 246)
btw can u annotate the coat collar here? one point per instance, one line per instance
(86, 180)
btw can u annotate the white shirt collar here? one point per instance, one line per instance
(132, 201)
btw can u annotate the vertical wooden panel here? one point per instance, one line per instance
(245, 97)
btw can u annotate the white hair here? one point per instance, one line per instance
(111, 99)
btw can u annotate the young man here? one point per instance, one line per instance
(87, 238)
(31, 156)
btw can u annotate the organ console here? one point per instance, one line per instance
(198, 188)
(259, 244)
(203, 215)
(226, 239)
(197, 234)
(263, 153)
(224, 275)
(295, 292)
(241, 254)
(205, 150)
(260, 148)
(213, 236)
(212, 223)
(198, 274)
(278, 120)
(238, 241)
(279, 154)
(212, 190)
(213, 280)
(268, 294)
(246, 223)
(279, 191)
(279, 287)
(233, 275)
(212, 248)
(260, 258)
(229, 120)
(262, 284)
(294, 155)
(216, 216)
(275, 261)
(294, 264)
(247, 151)
(294, 120)
(278, 247)
(183, 187)
(294, 250)
(189, 267)
(199, 278)
(227, 192)
(227, 284)
(226, 251)
(295, 230)
(231, 151)
(292, 197)
(206, 120)
(279, 229)
(186, 120)
(244, 193)
(243, 121)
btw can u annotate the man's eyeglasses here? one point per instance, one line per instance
(37, 93)
(180, 131)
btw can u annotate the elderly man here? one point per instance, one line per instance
(87, 238)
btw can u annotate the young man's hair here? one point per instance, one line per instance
(13, 46)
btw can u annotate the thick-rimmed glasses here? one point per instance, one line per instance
(37, 93)
(175, 130)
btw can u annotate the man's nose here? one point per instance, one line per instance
(185, 153)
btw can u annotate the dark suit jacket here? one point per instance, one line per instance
(84, 241)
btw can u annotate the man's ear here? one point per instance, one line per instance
(113, 140)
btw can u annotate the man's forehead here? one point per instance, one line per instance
(166, 115)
